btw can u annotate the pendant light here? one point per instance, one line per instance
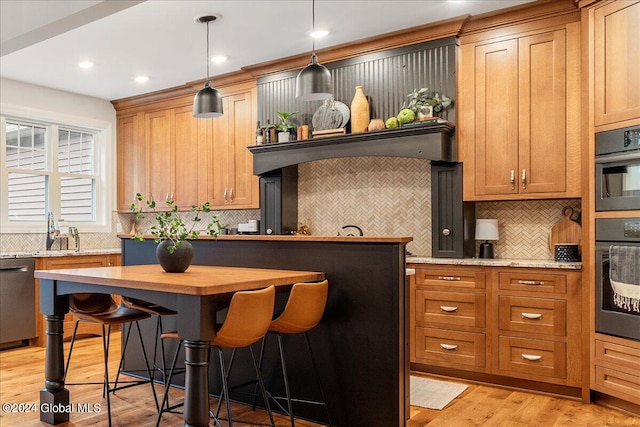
(314, 81)
(208, 102)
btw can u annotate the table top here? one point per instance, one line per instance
(197, 280)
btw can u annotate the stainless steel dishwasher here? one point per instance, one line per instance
(17, 301)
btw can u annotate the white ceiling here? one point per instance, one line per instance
(43, 41)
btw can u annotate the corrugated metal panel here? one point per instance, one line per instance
(387, 77)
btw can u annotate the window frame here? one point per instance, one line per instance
(104, 157)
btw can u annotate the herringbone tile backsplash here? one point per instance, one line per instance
(392, 197)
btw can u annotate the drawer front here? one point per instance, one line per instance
(535, 315)
(450, 347)
(620, 357)
(533, 357)
(533, 282)
(462, 278)
(450, 308)
(618, 383)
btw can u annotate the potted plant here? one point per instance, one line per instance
(424, 105)
(170, 231)
(285, 126)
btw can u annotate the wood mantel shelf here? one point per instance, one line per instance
(429, 142)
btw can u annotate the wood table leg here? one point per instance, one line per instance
(196, 399)
(54, 398)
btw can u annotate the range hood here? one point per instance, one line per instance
(429, 142)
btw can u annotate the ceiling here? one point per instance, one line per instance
(42, 42)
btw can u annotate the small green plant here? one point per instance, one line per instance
(421, 98)
(285, 124)
(170, 226)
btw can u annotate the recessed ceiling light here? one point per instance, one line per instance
(85, 64)
(142, 79)
(318, 34)
(219, 59)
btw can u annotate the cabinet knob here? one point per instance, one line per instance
(533, 316)
(530, 282)
(524, 179)
(231, 195)
(269, 231)
(225, 195)
(448, 308)
(512, 179)
(449, 278)
(531, 357)
(446, 232)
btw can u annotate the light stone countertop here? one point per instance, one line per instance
(496, 262)
(58, 253)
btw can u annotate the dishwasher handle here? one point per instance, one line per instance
(15, 268)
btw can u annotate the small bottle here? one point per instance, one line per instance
(259, 137)
(267, 132)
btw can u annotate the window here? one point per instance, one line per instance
(51, 168)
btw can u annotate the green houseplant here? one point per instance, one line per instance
(170, 231)
(285, 126)
(425, 105)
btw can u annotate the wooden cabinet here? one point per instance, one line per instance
(617, 61)
(163, 149)
(521, 323)
(66, 262)
(519, 115)
(616, 370)
(448, 306)
(231, 183)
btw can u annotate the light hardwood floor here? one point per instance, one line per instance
(21, 378)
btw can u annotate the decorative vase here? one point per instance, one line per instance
(376, 124)
(359, 112)
(283, 136)
(176, 262)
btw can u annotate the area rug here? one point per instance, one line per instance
(433, 394)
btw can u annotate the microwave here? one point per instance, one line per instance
(618, 169)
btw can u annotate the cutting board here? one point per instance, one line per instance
(565, 231)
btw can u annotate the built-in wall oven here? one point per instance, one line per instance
(618, 169)
(618, 277)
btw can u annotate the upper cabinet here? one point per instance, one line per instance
(163, 149)
(519, 107)
(616, 28)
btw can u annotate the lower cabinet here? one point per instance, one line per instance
(521, 323)
(67, 262)
(617, 368)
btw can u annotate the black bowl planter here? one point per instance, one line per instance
(176, 262)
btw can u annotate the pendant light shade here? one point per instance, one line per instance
(208, 102)
(314, 81)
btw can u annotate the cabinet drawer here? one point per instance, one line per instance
(451, 277)
(616, 383)
(621, 357)
(450, 308)
(536, 315)
(533, 357)
(450, 347)
(533, 282)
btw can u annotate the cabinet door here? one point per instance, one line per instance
(542, 120)
(617, 62)
(218, 175)
(184, 139)
(132, 174)
(242, 183)
(160, 154)
(496, 117)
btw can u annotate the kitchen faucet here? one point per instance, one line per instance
(51, 231)
(353, 226)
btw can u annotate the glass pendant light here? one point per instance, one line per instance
(314, 81)
(208, 102)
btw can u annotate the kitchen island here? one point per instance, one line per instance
(361, 342)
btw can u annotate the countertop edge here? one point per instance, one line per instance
(50, 254)
(528, 263)
(297, 238)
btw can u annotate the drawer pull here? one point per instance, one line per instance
(449, 278)
(449, 346)
(448, 309)
(530, 282)
(532, 357)
(533, 316)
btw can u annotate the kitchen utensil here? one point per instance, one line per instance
(331, 114)
(565, 230)
(565, 252)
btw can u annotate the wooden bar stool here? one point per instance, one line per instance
(102, 309)
(246, 323)
(302, 313)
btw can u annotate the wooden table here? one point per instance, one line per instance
(195, 295)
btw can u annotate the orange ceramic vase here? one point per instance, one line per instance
(359, 112)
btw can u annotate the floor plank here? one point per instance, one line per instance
(21, 378)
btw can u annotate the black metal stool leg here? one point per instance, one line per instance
(286, 380)
(317, 374)
(261, 383)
